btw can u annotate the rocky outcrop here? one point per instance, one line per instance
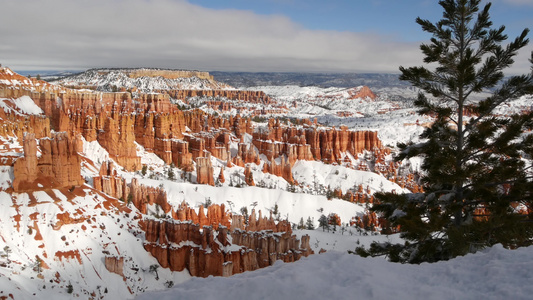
(205, 251)
(246, 154)
(13, 85)
(216, 215)
(132, 193)
(118, 139)
(370, 221)
(181, 157)
(221, 177)
(249, 176)
(312, 143)
(284, 169)
(362, 92)
(58, 166)
(18, 125)
(115, 264)
(204, 170)
(247, 96)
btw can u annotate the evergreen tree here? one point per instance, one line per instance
(38, 267)
(476, 169)
(301, 224)
(244, 213)
(144, 169)
(7, 250)
(323, 222)
(170, 172)
(309, 225)
(275, 212)
(153, 269)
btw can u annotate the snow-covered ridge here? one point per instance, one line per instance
(141, 80)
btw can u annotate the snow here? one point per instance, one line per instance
(23, 105)
(341, 177)
(99, 232)
(292, 206)
(6, 177)
(496, 273)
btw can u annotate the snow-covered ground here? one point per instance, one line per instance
(53, 244)
(494, 273)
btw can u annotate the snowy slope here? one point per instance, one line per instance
(495, 273)
(100, 226)
(72, 252)
(23, 105)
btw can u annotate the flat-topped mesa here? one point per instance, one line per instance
(58, 166)
(170, 74)
(141, 80)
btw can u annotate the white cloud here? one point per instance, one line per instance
(176, 34)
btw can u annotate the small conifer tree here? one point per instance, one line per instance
(309, 225)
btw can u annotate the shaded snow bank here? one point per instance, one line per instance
(496, 273)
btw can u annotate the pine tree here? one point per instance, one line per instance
(170, 173)
(301, 224)
(309, 224)
(323, 222)
(7, 250)
(476, 164)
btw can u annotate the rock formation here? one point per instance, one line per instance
(204, 170)
(248, 176)
(58, 166)
(115, 265)
(312, 143)
(205, 251)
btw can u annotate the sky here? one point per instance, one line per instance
(355, 36)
